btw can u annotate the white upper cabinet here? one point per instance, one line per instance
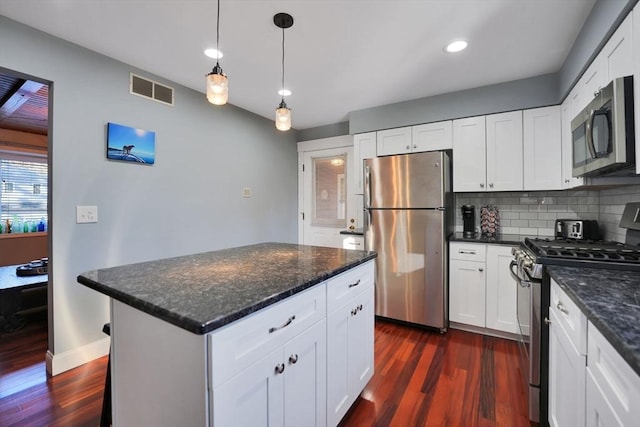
(591, 82)
(432, 136)
(617, 54)
(542, 148)
(504, 152)
(414, 139)
(568, 112)
(364, 147)
(469, 154)
(394, 141)
(487, 153)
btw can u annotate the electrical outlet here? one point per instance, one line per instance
(86, 214)
(246, 192)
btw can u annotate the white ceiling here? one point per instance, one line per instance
(341, 55)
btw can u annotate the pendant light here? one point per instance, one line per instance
(283, 113)
(217, 82)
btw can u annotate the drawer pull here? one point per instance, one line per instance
(293, 359)
(353, 285)
(360, 307)
(280, 368)
(561, 308)
(354, 311)
(466, 252)
(284, 325)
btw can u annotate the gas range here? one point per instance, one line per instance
(534, 253)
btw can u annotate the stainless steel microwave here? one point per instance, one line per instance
(603, 133)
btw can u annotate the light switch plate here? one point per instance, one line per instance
(86, 214)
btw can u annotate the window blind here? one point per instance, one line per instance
(23, 190)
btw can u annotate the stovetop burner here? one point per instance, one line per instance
(579, 252)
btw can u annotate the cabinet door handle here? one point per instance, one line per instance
(547, 321)
(354, 311)
(481, 185)
(415, 146)
(561, 308)
(408, 147)
(293, 359)
(491, 184)
(284, 325)
(280, 368)
(353, 285)
(481, 270)
(462, 251)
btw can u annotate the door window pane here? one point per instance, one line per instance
(329, 191)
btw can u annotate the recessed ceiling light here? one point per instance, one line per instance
(284, 92)
(456, 46)
(212, 53)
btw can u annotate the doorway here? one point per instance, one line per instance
(327, 205)
(25, 207)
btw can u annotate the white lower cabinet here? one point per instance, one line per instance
(613, 388)
(482, 292)
(350, 343)
(501, 301)
(590, 384)
(567, 361)
(287, 387)
(301, 362)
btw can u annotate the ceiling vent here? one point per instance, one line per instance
(150, 89)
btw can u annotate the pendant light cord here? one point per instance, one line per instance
(218, 35)
(282, 64)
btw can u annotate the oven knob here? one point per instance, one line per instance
(527, 263)
(516, 252)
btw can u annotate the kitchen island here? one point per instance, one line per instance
(258, 335)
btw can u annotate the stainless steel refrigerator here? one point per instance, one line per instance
(407, 203)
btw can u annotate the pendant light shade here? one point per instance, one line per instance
(217, 86)
(217, 82)
(283, 113)
(283, 117)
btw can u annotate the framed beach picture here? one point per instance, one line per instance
(130, 144)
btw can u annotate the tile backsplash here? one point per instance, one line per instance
(533, 213)
(612, 203)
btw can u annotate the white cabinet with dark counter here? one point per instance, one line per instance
(239, 337)
(594, 360)
(482, 293)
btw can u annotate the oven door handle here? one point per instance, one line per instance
(525, 283)
(515, 276)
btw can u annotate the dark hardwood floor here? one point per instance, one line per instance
(421, 378)
(29, 398)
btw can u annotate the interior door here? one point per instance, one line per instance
(327, 196)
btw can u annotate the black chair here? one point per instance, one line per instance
(105, 417)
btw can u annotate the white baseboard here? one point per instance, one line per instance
(61, 362)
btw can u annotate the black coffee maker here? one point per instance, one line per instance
(468, 220)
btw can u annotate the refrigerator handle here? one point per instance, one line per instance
(367, 187)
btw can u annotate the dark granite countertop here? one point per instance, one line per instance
(611, 301)
(499, 239)
(205, 291)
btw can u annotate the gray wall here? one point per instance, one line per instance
(189, 201)
(516, 95)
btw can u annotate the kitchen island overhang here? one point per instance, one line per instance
(267, 334)
(204, 291)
